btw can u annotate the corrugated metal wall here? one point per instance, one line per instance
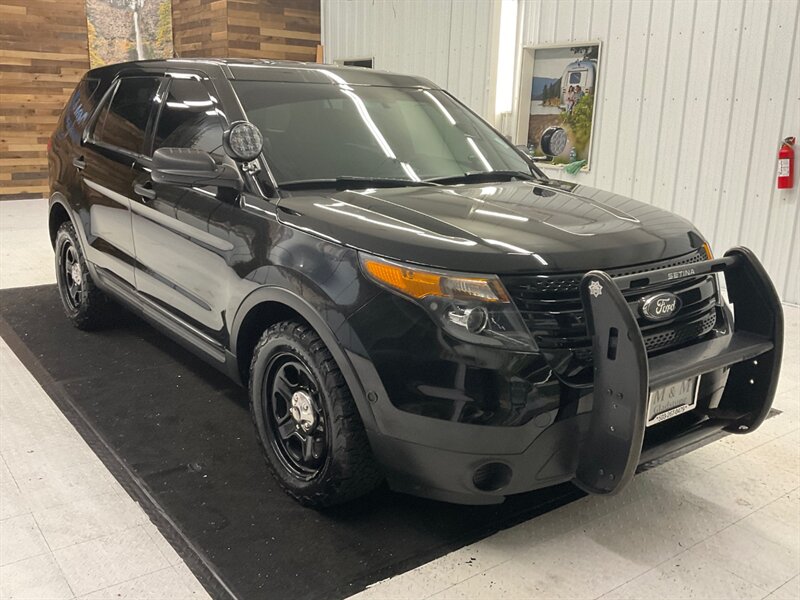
(447, 41)
(694, 96)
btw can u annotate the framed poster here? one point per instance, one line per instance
(122, 30)
(557, 103)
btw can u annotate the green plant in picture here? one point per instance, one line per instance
(95, 60)
(164, 29)
(580, 122)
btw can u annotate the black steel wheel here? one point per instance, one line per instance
(72, 274)
(84, 304)
(296, 417)
(306, 420)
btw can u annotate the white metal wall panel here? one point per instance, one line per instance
(694, 97)
(647, 155)
(693, 157)
(447, 41)
(676, 72)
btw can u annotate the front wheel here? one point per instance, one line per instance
(307, 423)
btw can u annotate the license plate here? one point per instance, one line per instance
(672, 400)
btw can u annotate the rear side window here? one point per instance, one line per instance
(79, 108)
(124, 123)
(189, 119)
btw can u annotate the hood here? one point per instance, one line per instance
(503, 228)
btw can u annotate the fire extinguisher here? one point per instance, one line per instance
(786, 164)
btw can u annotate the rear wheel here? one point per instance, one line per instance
(84, 304)
(307, 422)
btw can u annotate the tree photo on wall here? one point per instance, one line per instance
(122, 30)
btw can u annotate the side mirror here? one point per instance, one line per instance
(188, 167)
(243, 141)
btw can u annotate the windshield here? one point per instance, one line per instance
(322, 132)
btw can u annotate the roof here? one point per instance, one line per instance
(273, 70)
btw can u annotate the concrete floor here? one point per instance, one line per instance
(721, 522)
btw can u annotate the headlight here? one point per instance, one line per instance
(472, 308)
(719, 279)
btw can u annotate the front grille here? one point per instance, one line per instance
(552, 308)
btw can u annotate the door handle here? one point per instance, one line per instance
(145, 191)
(79, 163)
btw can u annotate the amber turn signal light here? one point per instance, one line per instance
(419, 283)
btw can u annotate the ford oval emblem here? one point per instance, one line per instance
(660, 307)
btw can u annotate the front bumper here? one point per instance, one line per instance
(602, 443)
(624, 376)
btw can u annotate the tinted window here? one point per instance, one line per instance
(125, 123)
(79, 108)
(189, 119)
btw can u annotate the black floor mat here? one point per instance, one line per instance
(178, 436)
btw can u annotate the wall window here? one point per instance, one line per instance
(189, 119)
(355, 62)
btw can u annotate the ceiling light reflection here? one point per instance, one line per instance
(384, 223)
(410, 171)
(440, 106)
(491, 213)
(373, 128)
(517, 250)
(481, 157)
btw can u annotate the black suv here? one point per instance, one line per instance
(407, 296)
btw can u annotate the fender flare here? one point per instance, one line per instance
(307, 312)
(60, 199)
(57, 198)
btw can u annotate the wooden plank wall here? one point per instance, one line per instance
(279, 29)
(200, 28)
(43, 54)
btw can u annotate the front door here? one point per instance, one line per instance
(191, 241)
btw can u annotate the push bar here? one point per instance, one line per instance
(624, 374)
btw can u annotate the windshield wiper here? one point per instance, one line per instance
(347, 182)
(483, 176)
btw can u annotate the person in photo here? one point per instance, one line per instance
(579, 93)
(570, 99)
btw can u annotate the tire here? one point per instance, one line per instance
(84, 304)
(319, 455)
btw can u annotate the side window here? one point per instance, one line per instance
(125, 122)
(189, 119)
(78, 110)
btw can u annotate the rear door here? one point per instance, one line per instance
(113, 143)
(187, 238)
